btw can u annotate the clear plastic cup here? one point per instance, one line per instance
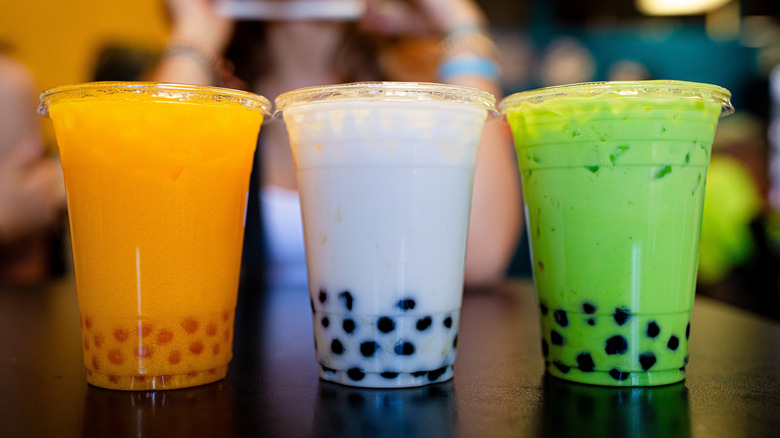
(385, 173)
(156, 178)
(613, 179)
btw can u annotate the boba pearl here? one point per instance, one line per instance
(588, 308)
(336, 347)
(561, 318)
(404, 348)
(652, 329)
(323, 296)
(368, 348)
(424, 323)
(448, 322)
(543, 308)
(616, 345)
(347, 297)
(405, 304)
(617, 375)
(585, 362)
(647, 360)
(348, 325)
(621, 315)
(673, 343)
(385, 324)
(557, 339)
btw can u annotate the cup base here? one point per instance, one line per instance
(617, 378)
(356, 377)
(147, 383)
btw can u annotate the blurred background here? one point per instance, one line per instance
(731, 43)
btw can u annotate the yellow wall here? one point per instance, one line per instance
(59, 39)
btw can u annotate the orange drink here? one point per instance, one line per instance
(157, 177)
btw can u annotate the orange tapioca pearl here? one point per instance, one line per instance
(192, 374)
(86, 344)
(174, 358)
(98, 340)
(113, 379)
(190, 325)
(225, 316)
(144, 330)
(215, 349)
(211, 329)
(227, 334)
(95, 363)
(87, 322)
(143, 352)
(116, 357)
(164, 336)
(196, 347)
(120, 334)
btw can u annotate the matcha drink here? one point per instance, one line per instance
(613, 178)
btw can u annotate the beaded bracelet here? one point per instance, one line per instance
(472, 65)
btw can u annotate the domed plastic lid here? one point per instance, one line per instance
(387, 91)
(660, 89)
(164, 91)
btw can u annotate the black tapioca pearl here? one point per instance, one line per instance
(435, 374)
(327, 370)
(323, 296)
(591, 321)
(688, 331)
(325, 321)
(385, 324)
(455, 342)
(311, 304)
(616, 345)
(424, 323)
(348, 325)
(647, 360)
(557, 339)
(618, 375)
(585, 362)
(561, 318)
(544, 309)
(685, 361)
(621, 315)
(356, 374)
(448, 322)
(336, 347)
(419, 373)
(561, 367)
(545, 348)
(673, 343)
(389, 374)
(368, 348)
(404, 348)
(405, 304)
(652, 329)
(588, 308)
(347, 297)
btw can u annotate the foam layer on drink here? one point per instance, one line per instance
(614, 189)
(386, 193)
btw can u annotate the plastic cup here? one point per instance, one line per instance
(156, 177)
(613, 180)
(385, 174)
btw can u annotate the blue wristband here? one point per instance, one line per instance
(479, 66)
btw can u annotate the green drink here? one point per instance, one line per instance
(613, 179)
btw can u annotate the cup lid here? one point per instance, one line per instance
(660, 89)
(387, 91)
(169, 91)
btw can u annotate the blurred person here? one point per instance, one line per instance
(420, 40)
(32, 193)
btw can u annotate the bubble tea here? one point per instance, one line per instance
(613, 179)
(156, 178)
(385, 174)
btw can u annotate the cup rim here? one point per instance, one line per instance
(167, 90)
(386, 91)
(653, 88)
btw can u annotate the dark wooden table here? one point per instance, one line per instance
(272, 389)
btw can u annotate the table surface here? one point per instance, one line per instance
(272, 389)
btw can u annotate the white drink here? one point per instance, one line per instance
(385, 189)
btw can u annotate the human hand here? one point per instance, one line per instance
(197, 22)
(420, 17)
(32, 193)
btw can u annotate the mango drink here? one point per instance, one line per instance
(613, 179)
(156, 178)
